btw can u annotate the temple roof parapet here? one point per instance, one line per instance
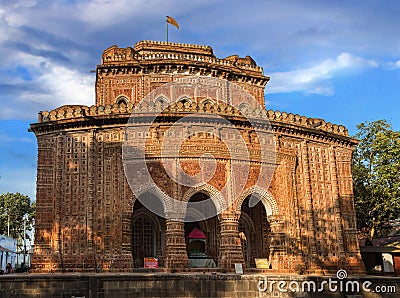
(80, 111)
(149, 45)
(146, 51)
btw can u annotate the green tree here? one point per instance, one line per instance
(13, 208)
(376, 178)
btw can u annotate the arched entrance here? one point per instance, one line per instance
(210, 227)
(148, 231)
(254, 231)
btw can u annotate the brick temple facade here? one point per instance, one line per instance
(89, 214)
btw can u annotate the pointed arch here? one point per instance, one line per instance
(152, 217)
(271, 207)
(212, 192)
(155, 191)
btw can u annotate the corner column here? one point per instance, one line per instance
(313, 260)
(278, 255)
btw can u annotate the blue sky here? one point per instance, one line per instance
(337, 60)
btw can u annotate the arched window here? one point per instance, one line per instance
(161, 100)
(208, 101)
(122, 99)
(244, 108)
(184, 100)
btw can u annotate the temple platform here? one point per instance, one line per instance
(194, 284)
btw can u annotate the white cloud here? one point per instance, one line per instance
(53, 85)
(394, 65)
(316, 79)
(104, 13)
(64, 86)
(62, 39)
(109, 12)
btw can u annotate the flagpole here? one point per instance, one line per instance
(173, 22)
(167, 30)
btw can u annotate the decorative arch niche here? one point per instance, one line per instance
(161, 101)
(185, 99)
(208, 101)
(122, 99)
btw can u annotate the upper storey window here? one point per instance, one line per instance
(244, 108)
(122, 99)
(184, 100)
(162, 101)
(208, 101)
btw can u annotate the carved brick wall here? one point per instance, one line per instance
(85, 207)
(132, 73)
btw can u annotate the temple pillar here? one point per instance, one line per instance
(277, 254)
(175, 244)
(230, 247)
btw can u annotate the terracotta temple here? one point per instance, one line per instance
(280, 189)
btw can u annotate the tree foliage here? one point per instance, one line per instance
(376, 177)
(13, 208)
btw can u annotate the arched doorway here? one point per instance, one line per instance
(148, 230)
(210, 227)
(254, 231)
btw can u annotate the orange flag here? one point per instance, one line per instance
(172, 21)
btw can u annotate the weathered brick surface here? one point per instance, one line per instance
(178, 285)
(87, 213)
